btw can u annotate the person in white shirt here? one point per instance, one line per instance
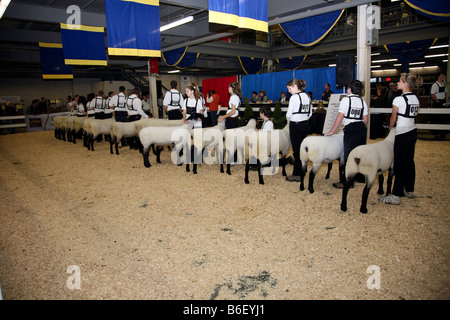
(108, 110)
(118, 105)
(265, 113)
(146, 104)
(81, 107)
(90, 105)
(298, 113)
(99, 105)
(194, 106)
(172, 102)
(354, 114)
(404, 112)
(439, 91)
(231, 117)
(134, 106)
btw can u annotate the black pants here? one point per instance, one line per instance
(404, 166)
(121, 116)
(297, 131)
(100, 115)
(174, 114)
(355, 134)
(231, 123)
(134, 117)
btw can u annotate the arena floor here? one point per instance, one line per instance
(70, 216)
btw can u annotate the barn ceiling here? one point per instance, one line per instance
(27, 22)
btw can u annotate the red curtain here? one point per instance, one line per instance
(220, 85)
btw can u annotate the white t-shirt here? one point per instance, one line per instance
(356, 104)
(267, 125)
(435, 89)
(134, 106)
(99, 104)
(118, 102)
(405, 124)
(294, 107)
(90, 107)
(234, 99)
(107, 107)
(172, 99)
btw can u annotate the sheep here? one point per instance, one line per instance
(78, 126)
(96, 127)
(121, 130)
(165, 136)
(235, 143)
(370, 160)
(206, 139)
(318, 150)
(264, 146)
(70, 127)
(60, 124)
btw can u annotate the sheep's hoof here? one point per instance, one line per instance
(363, 210)
(261, 182)
(246, 181)
(343, 208)
(147, 165)
(302, 188)
(311, 190)
(380, 192)
(229, 172)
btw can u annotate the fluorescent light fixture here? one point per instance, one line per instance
(430, 67)
(385, 60)
(375, 54)
(3, 5)
(438, 47)
(445, 60)
(384, 70)
(375, 66)
(173, 71)
(176, 23)
(437, 55)
(411, 64)
(332, 65)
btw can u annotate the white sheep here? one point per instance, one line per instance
(264, 147)
(121, 130)
(370, 160)
(165, 136)
(60, 124)
(97, 127)
(235, 142)
(206, 139)
(318, 150)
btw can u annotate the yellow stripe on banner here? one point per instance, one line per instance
(50, 45)
(253, 24)
(186, 67)
(57, 76)
(318, 40)
(149, 2)
(82, 28)
(175, 64)
(86, 62)
(134, 52)
(428, 12)
(223, 18)
(262, 63)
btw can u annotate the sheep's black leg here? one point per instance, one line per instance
(74, 137)
(365, 195)
(302, 176)
(221, 168)
(330, 165)
(389, 181)
(260, 175)
(229, 169)
(283, 165)
(158, 154)
(145, 153)
(380, 184)
(116, 143)
(347, 183)
(92, 142)
(247, 168)
(312, 174)
(342, 173)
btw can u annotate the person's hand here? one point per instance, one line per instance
(329, 133)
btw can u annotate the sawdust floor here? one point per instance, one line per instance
(161, 233)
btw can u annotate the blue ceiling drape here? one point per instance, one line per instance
(291, 63)
(309, 31)
(52, 62)
(133, 28)
(436, 9)
(247, 14)
(84, 45)
(407, 52)
(180, 58)
(251, 65)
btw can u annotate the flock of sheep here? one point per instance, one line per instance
(249, 145)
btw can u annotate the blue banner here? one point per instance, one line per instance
(133, 28)
(180, 58)
(309, 31)
(291, 63)
(248, 14)
(436, 9)
(83, 45)
(52, 62)
(251, 65)
(407, 52)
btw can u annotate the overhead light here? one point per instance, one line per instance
(385, 60)
(438, 47)
(375, 54)
(375, 66)
(437, 55)
(3, 5)
(332, 65)
(173, 71)
(176, 23)
(411, 64)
